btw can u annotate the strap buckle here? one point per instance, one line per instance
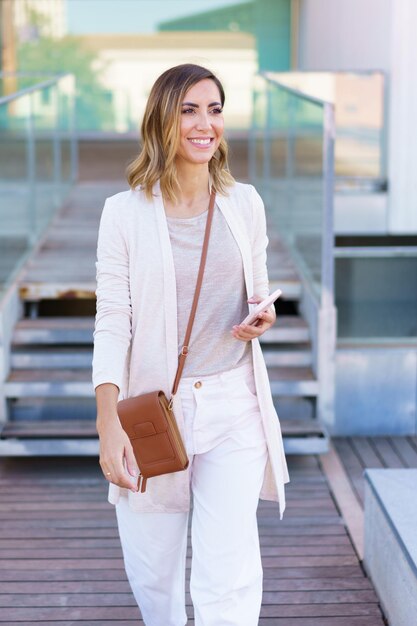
(184, 351)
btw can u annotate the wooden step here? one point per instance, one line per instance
(79, 330)
(38, 429)
(54, 330)
(287, 329)
(302, 428)
(49, 383)
(56, 290)
(79, 438)
(304, 436)
(290, 355)
(20, 446)
(292, 381)
(291, 288)
(50, 356)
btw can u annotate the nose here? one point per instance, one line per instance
(203, 122)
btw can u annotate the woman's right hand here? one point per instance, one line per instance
(116, 452)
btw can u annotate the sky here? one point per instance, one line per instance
(131, 16)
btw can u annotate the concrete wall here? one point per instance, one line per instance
(344, 35)
(376, 388)
(373, 34)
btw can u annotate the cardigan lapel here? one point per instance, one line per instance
(170, 287)
(231, 215)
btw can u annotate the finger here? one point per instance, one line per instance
(248, 332)
(131, 463)
(266, 317)
(123, 478)
(116, 474)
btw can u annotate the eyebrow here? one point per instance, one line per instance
(197, 106)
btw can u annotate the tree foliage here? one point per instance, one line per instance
(48, 55)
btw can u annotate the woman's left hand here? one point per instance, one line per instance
(246, 332)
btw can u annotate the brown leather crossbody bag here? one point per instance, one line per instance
(149, 419)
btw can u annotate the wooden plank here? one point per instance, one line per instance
(347, 501)
(387, 453)
(275, 621)
(122, 586)
(321, 621)
(61, 561)
(352, 464)
(308, 542)
(320, 610)
(366, 452)
(108, 552)
(111, 613)
(277, 573)
(50, 428)
(405, 451)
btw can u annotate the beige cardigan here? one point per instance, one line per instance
(135, 337)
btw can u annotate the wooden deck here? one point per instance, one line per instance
(360, 453)
(61, 562)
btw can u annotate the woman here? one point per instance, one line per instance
(149, 247)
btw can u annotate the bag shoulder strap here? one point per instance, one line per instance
(184, 351)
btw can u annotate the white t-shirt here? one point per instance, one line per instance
(212, 347)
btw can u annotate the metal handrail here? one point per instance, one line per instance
(295, 92)
(36, 87)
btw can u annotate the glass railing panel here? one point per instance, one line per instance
(292, 178)
(359, 100)
(15, 224)
(37, 164)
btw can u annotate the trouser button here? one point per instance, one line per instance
(198, 384)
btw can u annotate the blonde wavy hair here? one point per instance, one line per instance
(161, 134)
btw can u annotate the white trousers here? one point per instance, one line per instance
(225, 442)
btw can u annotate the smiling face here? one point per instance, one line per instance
(202, 124)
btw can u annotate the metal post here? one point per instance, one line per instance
(252, 142)
(327, 260)
(327, 333)
(266, 169)
(31, 172)
(57, 152)
(73, 132)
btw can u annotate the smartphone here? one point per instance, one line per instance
(253, 315)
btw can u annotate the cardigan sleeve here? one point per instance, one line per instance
(259, 246)
(112, 333)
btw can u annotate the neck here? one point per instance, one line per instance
(193, 181)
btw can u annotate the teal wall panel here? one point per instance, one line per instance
(273, 34)
(237, 18)
(268, 20)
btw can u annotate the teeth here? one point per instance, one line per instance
(203, 142)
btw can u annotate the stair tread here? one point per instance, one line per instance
(49, 375)
(87, 428)
(49, 428)
(287, 321)
(295, 373)
(302, 428)
(84, 375)
(56, 323)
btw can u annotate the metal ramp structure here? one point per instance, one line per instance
(49, 397)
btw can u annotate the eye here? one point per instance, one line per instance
(189, 110)
(217, 111)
